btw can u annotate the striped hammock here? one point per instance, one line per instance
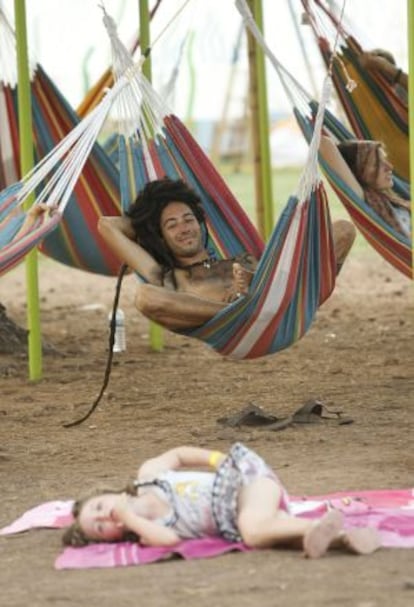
(296, 272)
(65, 175)
(75, 241)
(391, 245)
(373, 108)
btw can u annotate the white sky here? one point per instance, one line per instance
(64, 32)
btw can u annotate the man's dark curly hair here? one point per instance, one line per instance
(145, 215)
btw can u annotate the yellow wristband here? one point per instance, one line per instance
(215, 456)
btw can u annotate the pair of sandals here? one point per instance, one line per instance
(312, 412)
(328, 532)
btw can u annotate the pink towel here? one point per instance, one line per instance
(390, 511)
(56, 514)
(127, 553)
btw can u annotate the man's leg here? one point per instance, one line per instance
(344, 233)
(174, 310)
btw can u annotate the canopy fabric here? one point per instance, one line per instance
(369, 100)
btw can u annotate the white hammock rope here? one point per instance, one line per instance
(334, 34)
(64, 164)
(310, 175)
(140, 110)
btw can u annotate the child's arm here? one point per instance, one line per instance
(149, 532)
(180, 457)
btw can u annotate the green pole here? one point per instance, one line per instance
(156, 332)
(192, 78)
(410, 26)
(26, 164)
(260, 131)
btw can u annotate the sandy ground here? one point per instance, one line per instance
(357, 357)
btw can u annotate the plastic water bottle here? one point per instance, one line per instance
(120, 339)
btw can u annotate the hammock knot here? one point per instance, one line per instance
(351, 85)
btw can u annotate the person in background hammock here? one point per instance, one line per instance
(36, 212)
(365, 169)
(383, 61)
(163, 238)
(190, 492)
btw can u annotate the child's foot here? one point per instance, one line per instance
(361, 540)
(241, 278)
(323, 534)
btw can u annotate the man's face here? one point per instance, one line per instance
(181, 231)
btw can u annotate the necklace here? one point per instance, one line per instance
(205, 263)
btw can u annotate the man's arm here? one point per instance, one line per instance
(180, 457)
(120, 236)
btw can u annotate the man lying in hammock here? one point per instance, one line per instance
(161, 238)
(365, 169)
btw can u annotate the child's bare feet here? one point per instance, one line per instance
(361, 540)
(323, 534)
(241, 278)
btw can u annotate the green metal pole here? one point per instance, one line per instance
(26, 164)
(410, 30)
(192, 79)
(156, 332)
(260, 119)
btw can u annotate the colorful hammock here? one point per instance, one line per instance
(75, 241)
(392, 246)
(297, 269)
(53, 181)
(373, 108)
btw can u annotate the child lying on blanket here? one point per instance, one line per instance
(241, 500)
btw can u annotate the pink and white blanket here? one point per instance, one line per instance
(390, 511)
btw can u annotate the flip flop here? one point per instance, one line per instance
(251, 415)
(322, 534)
(314, 412)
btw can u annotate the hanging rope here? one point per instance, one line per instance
(108, 367)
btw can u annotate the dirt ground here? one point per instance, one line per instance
(357, 357)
